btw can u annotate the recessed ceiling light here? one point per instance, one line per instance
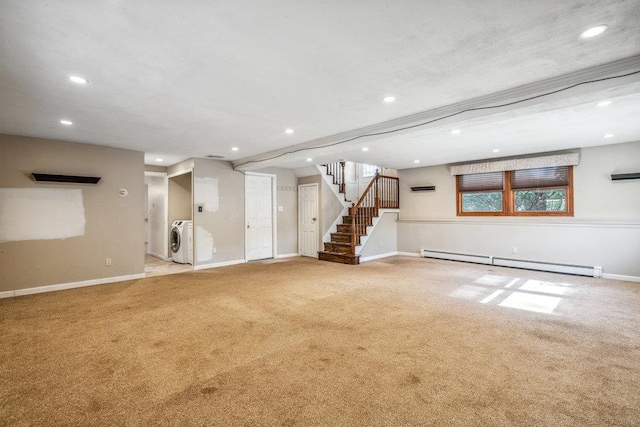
(289, 131)
(603, 103)
(496, 150)
(159, 160)
(455, 131)
(79, 80)
(607, 135)
(389, 99)
(309, 159)
(594, 31)
(365, 149)
(234, 148)
(416, 161)
(66, 122)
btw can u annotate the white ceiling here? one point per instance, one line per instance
(188, 79)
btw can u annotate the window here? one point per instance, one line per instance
(368, 170)
(540, 191)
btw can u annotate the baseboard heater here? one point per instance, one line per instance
(452, 256)
(579, 270)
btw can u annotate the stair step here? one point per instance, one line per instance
(339, 257)
(343, 248)
(348, 219)
(344, 237)
(346, 228)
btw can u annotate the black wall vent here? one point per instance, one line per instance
(47, 177)
(424, 188)
(622, 176)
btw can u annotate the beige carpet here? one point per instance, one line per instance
(402, 341)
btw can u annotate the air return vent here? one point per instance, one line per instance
(624, 176)
(424, 188)
(213, 156)
(71, 179)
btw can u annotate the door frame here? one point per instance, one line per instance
(315, 184)
(193, 219)
(274, 213)
(165, 234)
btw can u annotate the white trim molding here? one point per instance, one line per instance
(219, 264)
(515, 223)
(621, 277)
(411, 254)
(279, 256)
(71, 285)
(379, 256)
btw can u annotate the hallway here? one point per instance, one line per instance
(156, 267)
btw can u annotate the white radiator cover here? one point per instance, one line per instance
(580, 270)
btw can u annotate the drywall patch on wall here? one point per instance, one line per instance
(204, 245)
(206, 193)
(41, 214)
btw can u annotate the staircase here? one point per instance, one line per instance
(381, 193)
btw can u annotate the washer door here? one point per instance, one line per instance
(175, 240)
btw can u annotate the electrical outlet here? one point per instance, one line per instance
(515, 250)
(107, 262)
(215, 250)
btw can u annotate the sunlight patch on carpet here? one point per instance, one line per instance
(523, 294)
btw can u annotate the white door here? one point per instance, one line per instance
(259, 216)
(308, 219)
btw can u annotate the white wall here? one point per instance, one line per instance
(287, 218)
(114, 226)
(605, 230)
(221, 224)
(383, 239)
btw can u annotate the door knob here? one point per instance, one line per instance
(248, 225)
(313, 219)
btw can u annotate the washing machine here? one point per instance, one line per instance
(182, 241)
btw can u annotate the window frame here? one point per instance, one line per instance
(508, 198)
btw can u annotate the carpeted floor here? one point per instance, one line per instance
(401, 341)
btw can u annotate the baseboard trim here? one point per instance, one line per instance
(375, 257)
(621, 277)
(287, 256)
(413, 254)
(219, 264)
(72, 285)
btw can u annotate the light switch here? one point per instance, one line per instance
(280, 208)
